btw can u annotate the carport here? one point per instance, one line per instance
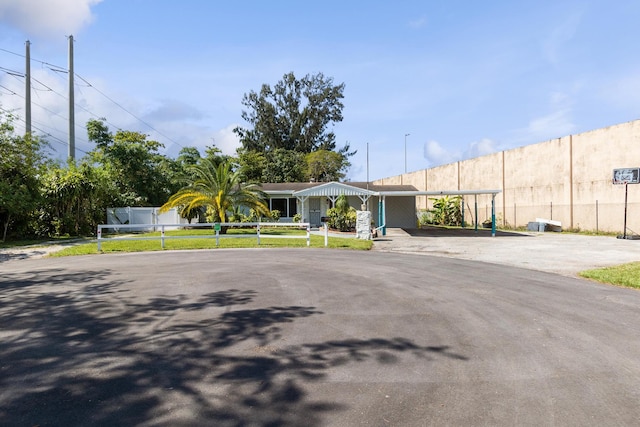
(382, 195)
(313, 199)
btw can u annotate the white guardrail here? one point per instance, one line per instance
(215, 226)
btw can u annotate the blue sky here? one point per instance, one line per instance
(463, 78)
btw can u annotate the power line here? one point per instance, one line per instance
(127, 111)
(47, 109)
(45, 133)
(11, 92)
(58, 69)
(12, 72)
(43, 63)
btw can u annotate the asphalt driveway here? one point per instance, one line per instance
(560, 253)
(312, 337)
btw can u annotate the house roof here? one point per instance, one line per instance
(329, 189)
(332, 188)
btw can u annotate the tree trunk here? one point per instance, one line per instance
(6, 227)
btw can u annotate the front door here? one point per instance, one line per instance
(314, 211)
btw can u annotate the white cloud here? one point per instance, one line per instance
(47, 17)
(557, 122)
(560, 36)
(173, 110)
(189, 134)
(553, 125)
(481, 148)
(226, 140)
(418, 23)
(174, 124)
(49, 112)
(436, 154)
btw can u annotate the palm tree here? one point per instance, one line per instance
(220, 189)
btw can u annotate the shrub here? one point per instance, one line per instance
(446, 211)
(425, 218)
(341, 218)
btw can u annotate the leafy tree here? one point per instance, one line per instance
(288, 121)
(284, 166)
(220, 189)
(214, 154)
(22, 161)
(278, 165)
(252, 164)
(75, 199)
(293, 115)
(142, 174)
(188, 156)
(325, 166)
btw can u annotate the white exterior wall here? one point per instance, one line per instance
(144, 215)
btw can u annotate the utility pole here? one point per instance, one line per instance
(72, 119)
(27, 89)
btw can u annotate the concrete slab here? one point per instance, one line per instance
(559, 253)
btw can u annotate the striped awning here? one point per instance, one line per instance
(333, 189)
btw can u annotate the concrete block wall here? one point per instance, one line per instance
(566, 179)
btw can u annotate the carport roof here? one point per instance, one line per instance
(319, 189)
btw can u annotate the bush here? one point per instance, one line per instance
(425, 218)
(340, 220)
(446, 211)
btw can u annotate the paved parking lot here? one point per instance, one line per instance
(559, 253)
(312, 337)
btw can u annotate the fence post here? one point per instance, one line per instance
(308, 235)
(258, 233)
(99, 236)
(217, 238)
(162, 235)
(326, 235)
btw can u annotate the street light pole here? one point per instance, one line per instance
(405, 151)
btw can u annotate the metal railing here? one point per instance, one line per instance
(217, 227)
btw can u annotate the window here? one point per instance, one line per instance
(279, 205)
(287, 206)
(293, 207)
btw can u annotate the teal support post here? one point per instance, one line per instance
(462, 212)
(384, 216)
(493, 215)
(380, 212)
(475, 197)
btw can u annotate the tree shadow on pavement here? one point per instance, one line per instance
(435, 231)
(84, 349)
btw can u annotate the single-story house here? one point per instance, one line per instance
(390, 205)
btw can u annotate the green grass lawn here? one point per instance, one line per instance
(627, 275)
(237, 238)
(37, 242)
